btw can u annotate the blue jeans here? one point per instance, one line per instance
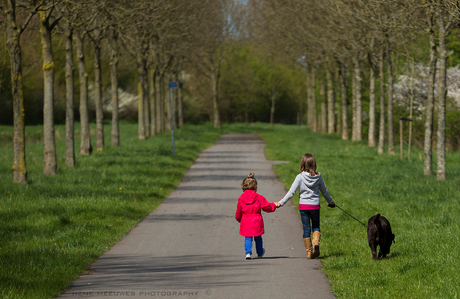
(306, 216)
(248, 245)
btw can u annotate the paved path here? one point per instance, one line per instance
(189, 247)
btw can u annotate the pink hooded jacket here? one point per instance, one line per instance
(248, 213)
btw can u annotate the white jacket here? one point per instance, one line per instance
(310, 186)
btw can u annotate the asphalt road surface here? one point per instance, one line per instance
(189, 247)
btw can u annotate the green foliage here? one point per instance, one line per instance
(422, 211)
(250, 79)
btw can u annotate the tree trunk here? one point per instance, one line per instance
(330, 102)
(164, 93)
(338, 120)
(175, 93)
(357, 100)
(442, 94)
(50, 165)
(98, 91)
(381, 145)
(372, 97)
(428, 143)
(151, 82)
(344, 91)
(311, 78)
(159, 101)
(307, 84)
(167, 103)
(85, 137)
(300, 112)
(180, 100)
(353, 105)
(323, 99)
(146, 99)
(391, 141)
(215, 88)
(115, 134)
(272, 108)
(14, 49)
(141, 70)
(401, 145)
(411, 109)
(69, 81)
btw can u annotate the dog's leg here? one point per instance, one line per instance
(381, 251)
(373, 249)
(388, 241)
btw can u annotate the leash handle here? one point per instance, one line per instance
(350, 215)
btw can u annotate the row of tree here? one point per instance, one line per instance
(160, 37)
(216, 42)
(332, 37)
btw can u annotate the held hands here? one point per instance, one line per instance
(331, 205)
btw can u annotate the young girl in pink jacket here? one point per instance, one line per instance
(248, 214)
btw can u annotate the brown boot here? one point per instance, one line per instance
(308, 248)
(316, 238)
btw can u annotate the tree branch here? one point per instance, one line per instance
(32, 13)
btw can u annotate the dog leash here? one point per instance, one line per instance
(350, 215)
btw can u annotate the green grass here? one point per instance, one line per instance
(54, 227)
(423, 212)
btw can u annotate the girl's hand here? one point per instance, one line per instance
(277, 204)
(331, 205)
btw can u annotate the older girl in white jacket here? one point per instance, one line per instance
(310, 184)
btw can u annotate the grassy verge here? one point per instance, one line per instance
(54, 227)
(423, 212)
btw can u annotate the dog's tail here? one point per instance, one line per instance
(377, 221)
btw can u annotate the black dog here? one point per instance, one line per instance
(379, 234)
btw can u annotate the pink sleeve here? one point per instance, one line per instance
(266, 206)
(238, 213)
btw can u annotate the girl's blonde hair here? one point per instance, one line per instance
(308, 164)
(249, 183)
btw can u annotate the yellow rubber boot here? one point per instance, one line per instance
(315, 243)
(308, 248)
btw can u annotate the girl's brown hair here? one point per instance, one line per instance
(249, 183)
(308, 164)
